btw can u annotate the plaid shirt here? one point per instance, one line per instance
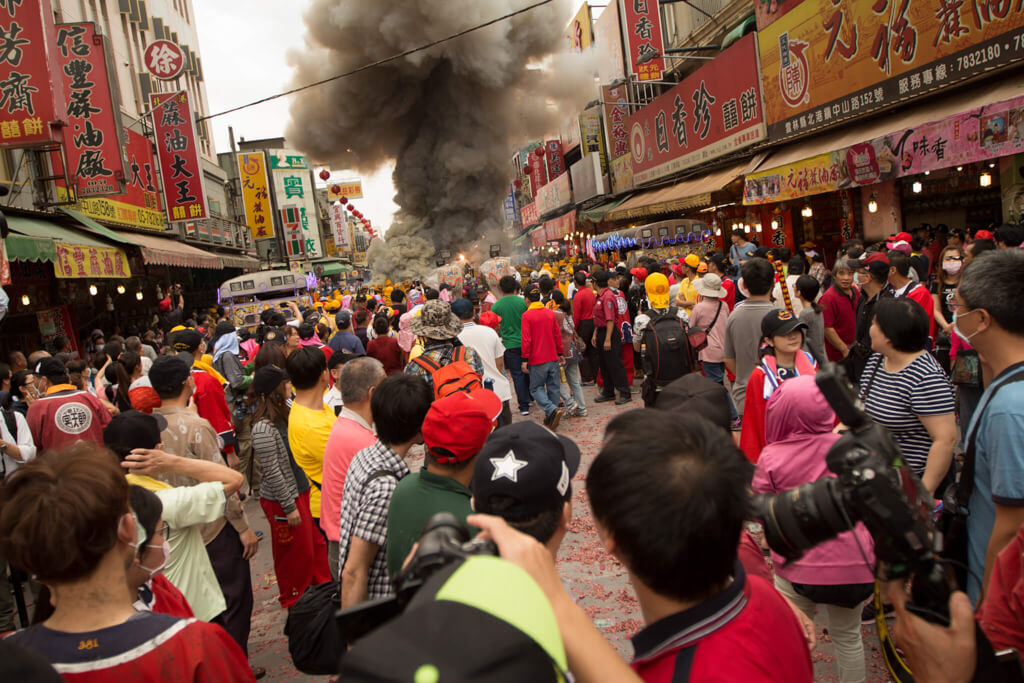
(364, 510)
(442, 353)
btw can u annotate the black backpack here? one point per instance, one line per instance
(667, 351)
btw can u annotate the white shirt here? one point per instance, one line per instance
(332, 398)
(488, 346)
(23, 441)
(146, 364)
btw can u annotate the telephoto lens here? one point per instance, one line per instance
(801, 518)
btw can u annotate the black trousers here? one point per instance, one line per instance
(589, 364)
(613, 372)
(235, 579)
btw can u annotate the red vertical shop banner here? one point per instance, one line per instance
(93, 146)
(180, 168)
(538, 170)
(641, 24)
(616, 111)
(555, 158)
(30, 84)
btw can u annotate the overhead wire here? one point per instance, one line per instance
(379, 62)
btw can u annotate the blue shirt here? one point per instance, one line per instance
(343, 340)
(999, 467)
(739, 254)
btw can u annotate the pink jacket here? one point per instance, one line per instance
(798, 433)
(956, 345)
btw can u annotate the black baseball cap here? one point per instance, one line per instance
(187, 340)
(876, 263)
(601, 277)
(50, 367)
(268, 378)
(780, 321)
(527, 463)
(461, 307)
(168, 374)
(133, 429)
(343, 318)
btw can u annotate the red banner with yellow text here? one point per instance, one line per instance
(176, 148)
(31, 90)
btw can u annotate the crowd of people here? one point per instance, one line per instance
(125, 475)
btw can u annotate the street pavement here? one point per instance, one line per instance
(596, 579)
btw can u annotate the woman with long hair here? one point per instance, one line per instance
(292, 340)
(947, 279)
(23, 392)
(299, 550)
(66, 518)
(782, 358)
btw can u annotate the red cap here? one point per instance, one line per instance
(460, 424)
(639, 273)
(902, 237)
(984, 235)
(490, 319)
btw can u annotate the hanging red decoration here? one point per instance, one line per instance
(335, 189)
(343, 200)
(539, 151)
(325, 174)
(518, 183)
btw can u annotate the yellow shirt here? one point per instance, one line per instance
(307, 435)
(686, 291)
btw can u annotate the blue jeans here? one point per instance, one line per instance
(545, 382)
(716, 373)
(572, 390)
(520, 380)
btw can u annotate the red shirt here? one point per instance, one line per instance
(921, 295)
(388, 352)
(606, 308)
(147, 647)
(583, 305)
(542, 340)
(213, 407)
(730, 293)
(745, 633)
(66, 415)
(1001, 615)
(840, 313)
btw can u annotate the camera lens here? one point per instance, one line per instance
(801, 518)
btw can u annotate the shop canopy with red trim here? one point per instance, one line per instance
(166, 252)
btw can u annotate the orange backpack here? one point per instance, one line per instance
(457, 375)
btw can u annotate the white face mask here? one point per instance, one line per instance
(862, 279)
(966, 338)
(166, 548)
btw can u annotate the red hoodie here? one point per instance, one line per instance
(542, 340)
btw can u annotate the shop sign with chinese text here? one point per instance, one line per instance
(558, 228)
(293, 187)
(350, 189)
(621, 172)
(616, 115)
(339, 226)
(592, 135)
(579, 33)
(529, 215)
(139, 206)
(31, 89)
(75, 260)
(641, 26)
(538, 236)
(555, 158)
(252, 173)
(554, 196)
(715, 111)
(825, 61)
(164, 60)
(821, 173)
(92, 143)
(180, 167)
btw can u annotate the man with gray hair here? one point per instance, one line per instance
(988, 315)
(352, 432)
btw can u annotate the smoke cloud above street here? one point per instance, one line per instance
(449, 116)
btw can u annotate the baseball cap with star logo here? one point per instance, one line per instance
(525, 466)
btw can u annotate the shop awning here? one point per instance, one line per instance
(243, 262)
(34, 239)
(596, 214)
(332, 268)
(94, 227)
(166, 252)
(24, 248)
(688, 194)
(934, 109)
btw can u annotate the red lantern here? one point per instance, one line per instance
(335, 189)
(343, 200)
(539, 151)
(357, 213)
(325, 174)
(518, 183)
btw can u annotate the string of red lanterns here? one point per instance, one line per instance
(335, 189)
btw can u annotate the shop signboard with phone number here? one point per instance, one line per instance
(824, 62)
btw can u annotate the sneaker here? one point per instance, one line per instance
(623, 400)
(580, 412)
(867, 615)
(525, 412)
(588, 384)
(604, 399)
(554, 419)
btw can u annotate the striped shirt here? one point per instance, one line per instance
(896, 400)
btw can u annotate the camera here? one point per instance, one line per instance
(874, 486)
(443, 541)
